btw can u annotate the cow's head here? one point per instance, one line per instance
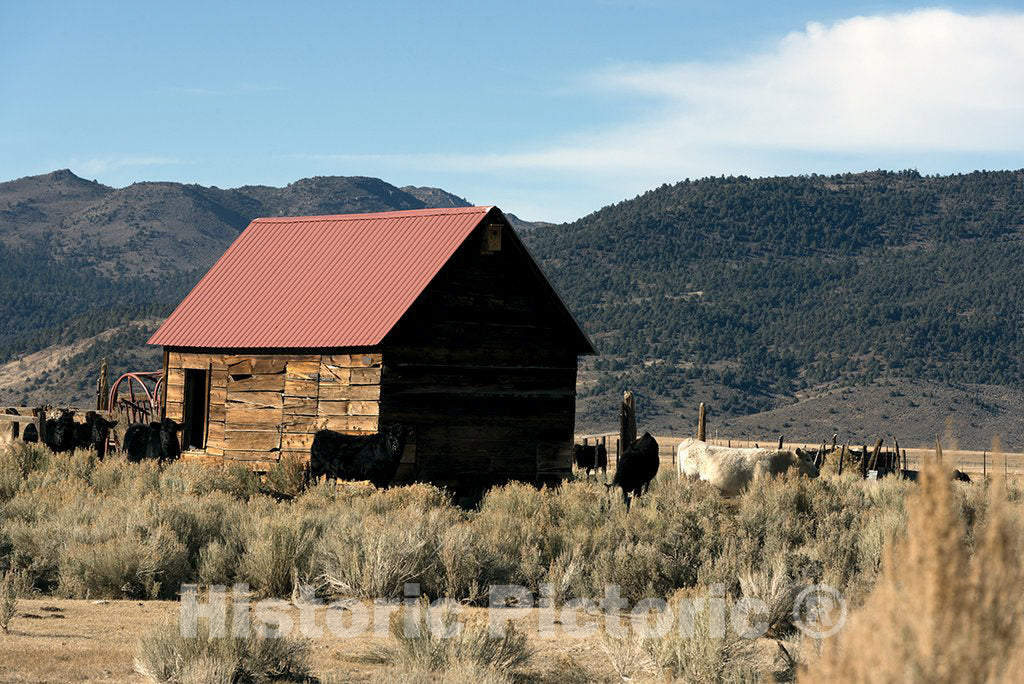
(394, 438)
(805, 463)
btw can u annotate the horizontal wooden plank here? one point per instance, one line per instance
(363, 408)
(218, 378)
(330, 374)
(198, 361)
(365, 376)
(300, 406)
(300, 424)
(353, 360)
(214, 451)
(217, 412)
(6, 418)
(176, 393)
(174, 409)
(367, 424)
(270, 418)
(332, 408)
(264, 365)
(256, 383)
(346, 392)
(270, 458)
(251, 439)
(296, 441)
(300, 455)
(175, 378)
(300, 388)
(303, 370)
(254, 399)
(215, 430)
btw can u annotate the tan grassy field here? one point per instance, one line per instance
(65, 640)
(74, 530)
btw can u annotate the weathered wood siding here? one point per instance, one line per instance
(263, 406)
(482, 369)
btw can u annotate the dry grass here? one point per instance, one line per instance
(436, 645)
(8, 600)
(74, 527)
(940, 612)
(164, 655)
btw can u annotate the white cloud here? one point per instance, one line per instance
(930, 80)
(931, 89)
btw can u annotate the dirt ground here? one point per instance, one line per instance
(61, 640)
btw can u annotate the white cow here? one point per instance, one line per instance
(731, 469)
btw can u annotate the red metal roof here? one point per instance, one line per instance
(318, 281)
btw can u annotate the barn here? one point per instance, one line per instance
(435, 319)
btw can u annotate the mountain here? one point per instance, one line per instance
(84, 261)
(754, 295)
(866, 304)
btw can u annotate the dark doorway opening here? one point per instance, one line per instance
(197, 399)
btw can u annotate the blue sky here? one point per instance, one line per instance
(548, 109)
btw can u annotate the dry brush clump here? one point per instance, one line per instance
(80, 527)
(941, 611)
(8, 600)
(165, 655)
(75, 526)
(429, 644)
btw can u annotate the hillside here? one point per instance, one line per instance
(81, 259)
(799, 305)
(745, 292)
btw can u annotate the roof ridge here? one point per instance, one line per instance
(400, 213)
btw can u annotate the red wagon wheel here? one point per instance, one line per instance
(136, 396)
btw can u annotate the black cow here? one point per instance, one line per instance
(956, 475)
(358, 457)
(158, 441)
(637, 467)
(585, 456)
(93, 433)
(60, 433)
(961, 476)
(602, 461)
(30, 433)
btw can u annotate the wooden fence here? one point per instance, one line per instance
(14, 419)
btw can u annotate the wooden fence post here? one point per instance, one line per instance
(780, 442)
(103, 387)
(40, 414)
(627, 420)
(842, 455)
(702, 423)
(874, 454)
